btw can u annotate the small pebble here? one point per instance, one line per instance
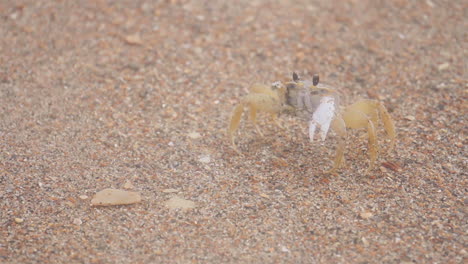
(83, 197)
(443, 66)
(366, 215)
(128, 185)
(77, 221)
(134, 39)
(194, 135)
(14, 15)
(365, 242)
(410, 117)
(177, 202)
(169, 190)
(19, 220)
(205, 159)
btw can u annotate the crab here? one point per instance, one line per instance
(261, 98)
(320, 105)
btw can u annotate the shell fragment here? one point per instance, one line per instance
(109, 197)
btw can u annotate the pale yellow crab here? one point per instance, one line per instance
(319, 105)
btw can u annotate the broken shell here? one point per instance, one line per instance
(109, 197)
(177, 202)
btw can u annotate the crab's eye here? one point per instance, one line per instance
(295, 77)
(315, 79)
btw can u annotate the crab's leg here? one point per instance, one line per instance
(354, 118)
(339, 126)
(253, 117)
(388, 125)
(373, 148)
(234, 123)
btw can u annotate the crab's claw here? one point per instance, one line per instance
(322, 117)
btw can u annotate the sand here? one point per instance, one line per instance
(137, 95)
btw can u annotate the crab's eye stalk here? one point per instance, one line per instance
(295, 77)
(315, 79)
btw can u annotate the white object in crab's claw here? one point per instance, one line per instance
(322, 117)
